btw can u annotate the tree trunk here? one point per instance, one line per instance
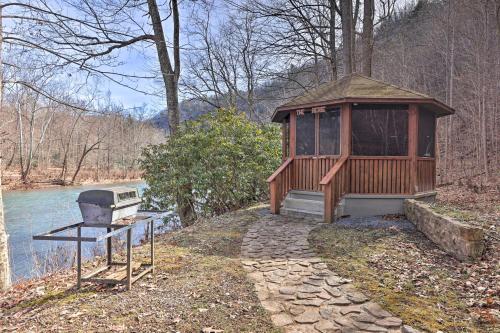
(367, 38)
(333, 50)
(354, 20)
(346, 10)
(4, 244)
(86, 151)
(171, 79)
(170, 74)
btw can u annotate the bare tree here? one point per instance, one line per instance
(347, 36)
(4, 245)
(441, 49)
(88, 38)
(227, 62)
(170, 73)
(367, 37)
(299, 30)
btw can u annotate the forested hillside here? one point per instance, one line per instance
(446, 49)
(253, 56)
(44, 142)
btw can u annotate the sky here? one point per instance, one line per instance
(145, 61)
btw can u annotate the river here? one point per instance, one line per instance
(31, 212)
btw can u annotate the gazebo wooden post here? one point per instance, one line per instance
(293, 136)
(345, 151)
(412, 145)
(345, 130)
(277, 181)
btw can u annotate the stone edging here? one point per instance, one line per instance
(463, 241)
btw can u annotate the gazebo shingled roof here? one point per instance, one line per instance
(359, 88)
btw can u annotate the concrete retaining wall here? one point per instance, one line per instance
(462, 241)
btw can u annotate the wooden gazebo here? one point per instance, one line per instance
(356, 146)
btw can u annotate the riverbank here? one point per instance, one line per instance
(49, 179)
(44, 185)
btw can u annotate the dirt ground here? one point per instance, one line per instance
(411, 277)
(199, 284)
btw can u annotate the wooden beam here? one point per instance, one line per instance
(412, 145)
(293, 128)
(345, 129)
(336, 167)
(316, 134)
(283, 141)
(273, 194)
(328, 210)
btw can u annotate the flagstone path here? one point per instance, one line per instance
(298, 289)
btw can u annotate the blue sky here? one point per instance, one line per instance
(145, 61)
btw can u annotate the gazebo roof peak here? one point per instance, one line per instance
(359, 88)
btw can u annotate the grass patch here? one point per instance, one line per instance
(454, 212)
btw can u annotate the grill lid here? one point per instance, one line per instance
(112, 197)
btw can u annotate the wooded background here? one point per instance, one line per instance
(446, 49)
(249, 55)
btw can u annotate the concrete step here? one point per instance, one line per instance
(304, 205)
(306, 195)
(301, 214)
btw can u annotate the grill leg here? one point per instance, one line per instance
(152, 240)
(79, 258)
(129, 259)
(108, 249)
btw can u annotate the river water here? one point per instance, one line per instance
(32, 212)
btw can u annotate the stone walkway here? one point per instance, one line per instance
(298, 289)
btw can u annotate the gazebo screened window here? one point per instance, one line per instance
(329, 132)
(318, 133)
(305, 134)
(426, 132)
(380, 130)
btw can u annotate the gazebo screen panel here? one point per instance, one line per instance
(329, 132)
(426, 134)
(305, 137)
(380, 130)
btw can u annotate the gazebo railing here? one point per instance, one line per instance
(426, 174)
(379, 175)
(280, 183)
(335, 185)
(310, 170)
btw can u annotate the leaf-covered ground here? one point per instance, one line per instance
(199, 283)
(411, 277)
